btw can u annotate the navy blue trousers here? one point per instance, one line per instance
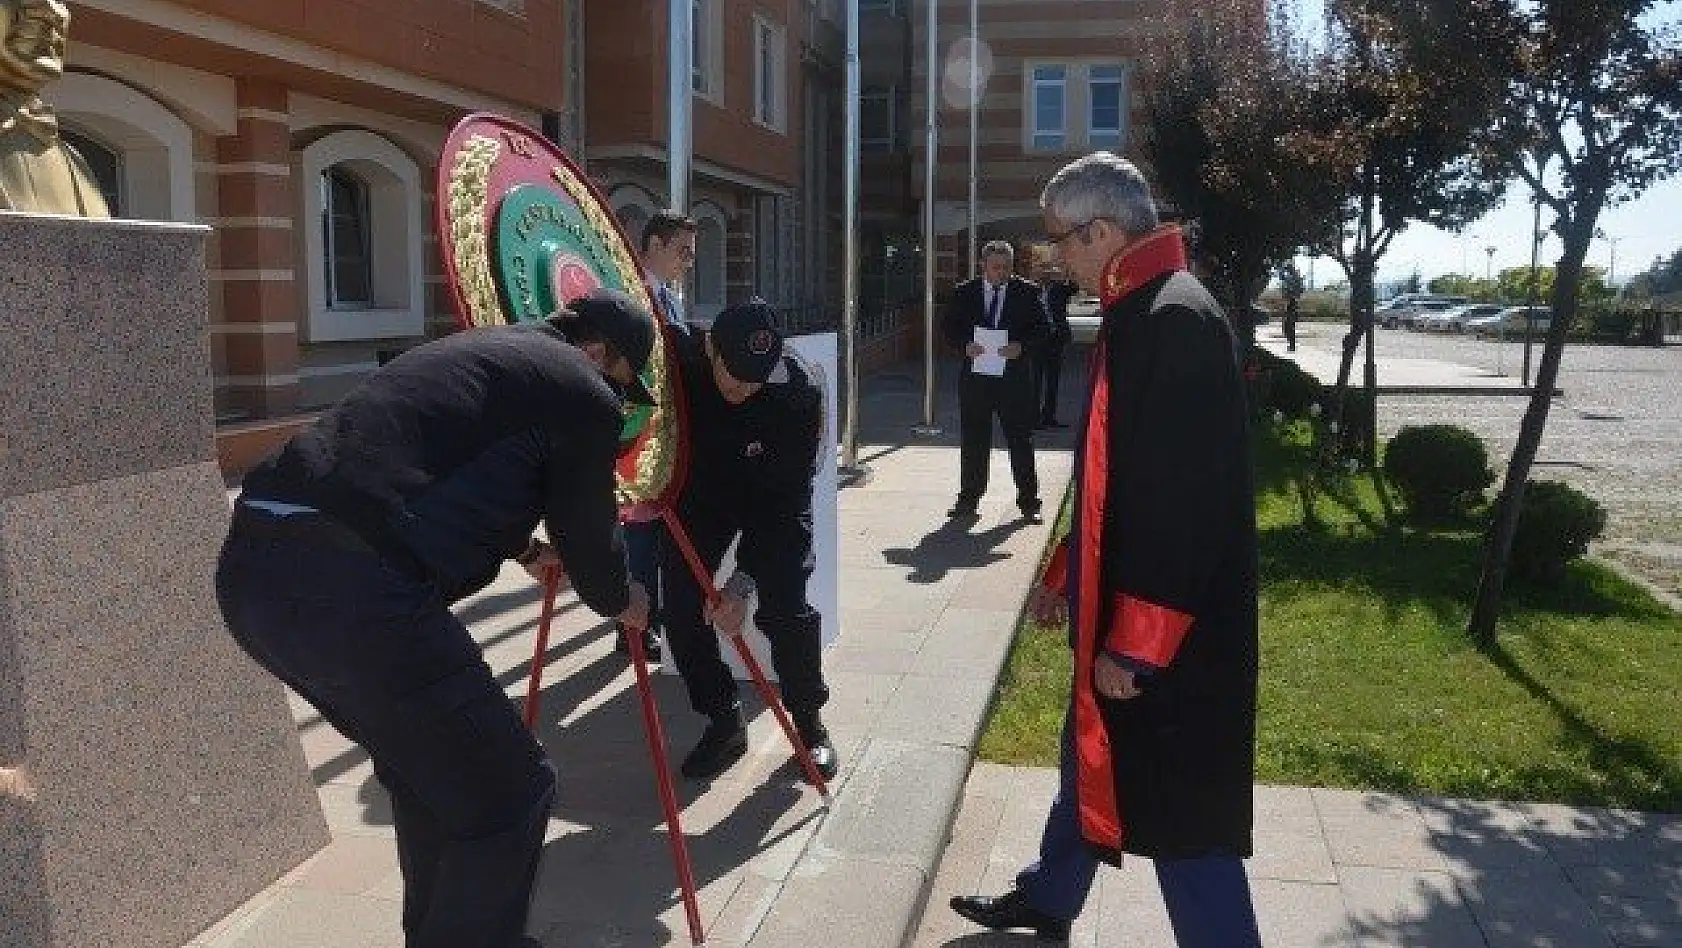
(379, 654)
(643, 542)
(1208, 898)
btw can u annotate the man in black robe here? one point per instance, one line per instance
(1158, 578)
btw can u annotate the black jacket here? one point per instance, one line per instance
(755, 460)
(449, 455)
(1058, 293)
(1022, 315)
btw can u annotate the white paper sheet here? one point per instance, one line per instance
(990, 362)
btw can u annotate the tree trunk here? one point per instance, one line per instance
(1498, 547)
(1361, 276)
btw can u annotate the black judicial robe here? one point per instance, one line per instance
(1160, 567)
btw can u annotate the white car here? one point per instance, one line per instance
(1455, 320)
(1511, 321)
(1084, 318)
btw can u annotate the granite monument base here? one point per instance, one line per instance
(151, 777)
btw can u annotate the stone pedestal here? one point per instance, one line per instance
(150, 775)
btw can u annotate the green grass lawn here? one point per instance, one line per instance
(1368, 679)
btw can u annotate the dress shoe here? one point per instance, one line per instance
(1030, 510)
(722, 744)
(1010, 910)
(963, 508)
(818, 745)
(650, 644)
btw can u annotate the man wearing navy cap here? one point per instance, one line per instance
(350, 543)
(756, 417)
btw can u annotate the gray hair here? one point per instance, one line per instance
(1101, 185)
(998, 248)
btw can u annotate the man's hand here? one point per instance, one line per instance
(1047, 607)
(1112, 680)
(635, 615)
(727, 614)
(546, 560)
(975, 350)
(1011, 351)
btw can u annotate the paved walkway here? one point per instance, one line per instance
(1340, 869)
(1396, 374)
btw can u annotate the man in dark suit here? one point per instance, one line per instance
(997, 300)
(1058, 290)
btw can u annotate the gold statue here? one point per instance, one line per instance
(38, 171)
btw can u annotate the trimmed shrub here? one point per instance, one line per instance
(1440, 470)
(1284, 387)
(1556, 523)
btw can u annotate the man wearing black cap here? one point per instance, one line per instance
(349, 544)
(756, 415)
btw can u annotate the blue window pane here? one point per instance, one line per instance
(1048, 108)
(1048, 140)
(1106, 72)
(1050, 73)
(1106, 139)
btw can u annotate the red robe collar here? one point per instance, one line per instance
(1162, 252)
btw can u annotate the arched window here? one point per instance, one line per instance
(346, 236)
(364, 265)
(141, 153)
(710, 253)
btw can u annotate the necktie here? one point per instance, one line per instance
(669, 304)
(993, 308)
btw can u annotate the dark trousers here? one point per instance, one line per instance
(379, 654)
(1208, 897)
(1011, 398)
(787, 619)
(642, 556)
(1050, 365)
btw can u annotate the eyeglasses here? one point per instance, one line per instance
(1056, 240)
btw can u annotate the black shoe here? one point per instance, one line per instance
(818, 746)
(650, 644)
(963, 508)
(723, 743)
(1030, 510)
(1010, 910)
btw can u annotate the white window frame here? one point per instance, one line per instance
(1115, 138)
(398, 309)
(889, 95)
(770, 57)
(707, 53)
(1033, 129)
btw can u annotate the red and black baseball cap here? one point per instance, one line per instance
(746, 337)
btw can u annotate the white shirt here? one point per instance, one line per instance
(669, 304)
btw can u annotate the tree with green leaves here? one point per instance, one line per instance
(1594, 119)
(1401, 87)
(1224, 107)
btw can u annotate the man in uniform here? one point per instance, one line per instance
(1057, 291)
(349, 544)
(1159, 576)
(756, 417)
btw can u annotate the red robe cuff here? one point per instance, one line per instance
(1056, 574)
(1146, 631)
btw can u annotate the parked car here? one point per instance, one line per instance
(1401, 310)
(1456, 318)
(1084, 318)
(1511, 321)
(1409, 317)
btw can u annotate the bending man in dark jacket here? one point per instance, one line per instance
(348, 546)
(755, 417)
(1159, 578)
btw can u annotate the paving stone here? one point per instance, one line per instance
(1400, 908)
